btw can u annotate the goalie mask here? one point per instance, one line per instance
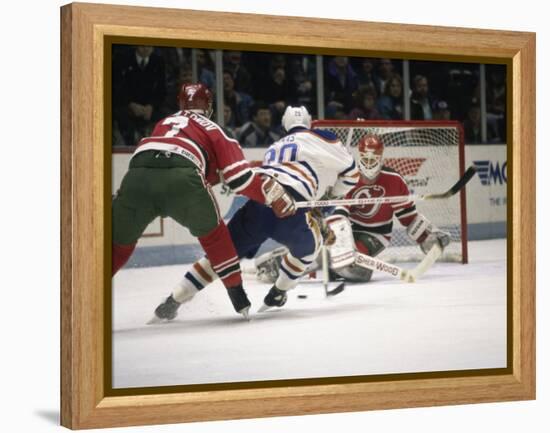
(296, 116)
(197, 98)
(371, 150)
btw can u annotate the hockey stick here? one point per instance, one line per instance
(325, 269)
(374, 264)
(466, 177)
(427, 262)
(407, 275)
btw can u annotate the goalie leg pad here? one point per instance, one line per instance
(342, 250)
(267, 265)
(354, 274)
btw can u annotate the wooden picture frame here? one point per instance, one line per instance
(87, 30)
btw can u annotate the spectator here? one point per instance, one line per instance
(366, 74)
(277, 61)
(342, 82)
(174, 59)
(384, 73)
(185, 75)
(421, 101)
(227, 121)
(238, 102)
(258, 132)
(441, 111)
(336, 113)
(205, 69)
(390, 104)
(365, 105)
(173, 86)
(240, 75)
(472, 125)
(138, 91)
(277, 90)
(458, 87)
(303, 71)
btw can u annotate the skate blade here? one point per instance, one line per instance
(156, 321)
(263, 308)
(245, 312)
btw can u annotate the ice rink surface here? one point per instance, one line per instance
(453, 318)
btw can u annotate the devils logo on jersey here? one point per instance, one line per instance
(369, 191)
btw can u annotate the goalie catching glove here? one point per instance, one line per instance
(423, 232)
(277, 198)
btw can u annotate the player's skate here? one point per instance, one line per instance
(274, 298)
(240, 301)
(167, 310)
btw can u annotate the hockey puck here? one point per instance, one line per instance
(302, 296)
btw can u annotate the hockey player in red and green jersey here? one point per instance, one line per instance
(171, 174)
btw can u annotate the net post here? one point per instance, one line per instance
(463, 214)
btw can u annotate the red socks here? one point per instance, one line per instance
(121, 254)
(222, 255)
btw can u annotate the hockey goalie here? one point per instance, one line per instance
(359, 231)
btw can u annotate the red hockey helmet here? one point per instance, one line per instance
(371, 150)
(195, 97)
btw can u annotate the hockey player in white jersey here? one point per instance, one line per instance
(366, 230)
(309, 164)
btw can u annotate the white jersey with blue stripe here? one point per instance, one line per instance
(309, 162)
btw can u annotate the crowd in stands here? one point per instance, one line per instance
(258, 86)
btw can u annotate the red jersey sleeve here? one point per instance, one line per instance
(405, 211)
(234, 168)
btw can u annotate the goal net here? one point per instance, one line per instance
(430, 157)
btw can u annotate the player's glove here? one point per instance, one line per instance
(277, 198)
(436, 236)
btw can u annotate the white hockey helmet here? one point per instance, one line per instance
(371, 151)
(296, 116)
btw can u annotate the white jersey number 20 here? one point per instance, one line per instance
(281, 153)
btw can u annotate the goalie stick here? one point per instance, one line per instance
(407, 275)
(465, 178)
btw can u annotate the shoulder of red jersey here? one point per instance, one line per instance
(207, 124)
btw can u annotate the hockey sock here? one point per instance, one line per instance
(121, 254)
(292, 269)
(200, 275)
(222, 255)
